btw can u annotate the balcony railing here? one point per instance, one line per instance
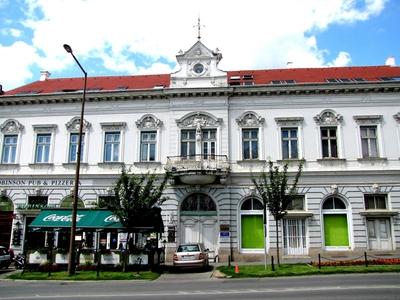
(199, 164)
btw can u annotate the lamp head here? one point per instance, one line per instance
(67, 48)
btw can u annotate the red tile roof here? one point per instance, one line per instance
(258, 77)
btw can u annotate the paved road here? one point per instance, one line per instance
(343, 287)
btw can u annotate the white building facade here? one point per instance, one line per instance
(215, 131)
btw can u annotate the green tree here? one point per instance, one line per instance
(136, 200)
(276, 193)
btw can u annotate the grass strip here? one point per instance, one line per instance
(301, 269)
(85, 275)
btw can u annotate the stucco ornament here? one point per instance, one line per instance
(250, 119)
(198, 120)
(11, 126)
(148, 121)
(376, 188)
(334, 189)
(74, 123)
(328, 117)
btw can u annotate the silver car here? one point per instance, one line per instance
(191, 256)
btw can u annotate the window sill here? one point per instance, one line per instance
(251, 161)
(70, 165)
(372, 159)
(40, 165)
(298, 214)
(378, 213)
(291, 160)
(331, 160)
(8, 166)
(110, 164)
(147, 163)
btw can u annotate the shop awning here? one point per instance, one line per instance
(85, 218)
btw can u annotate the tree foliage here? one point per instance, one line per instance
(277, 195)
(137, 199)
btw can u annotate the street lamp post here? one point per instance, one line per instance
(71, 260)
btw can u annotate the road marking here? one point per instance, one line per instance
(210, 292)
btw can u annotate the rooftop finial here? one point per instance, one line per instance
(198, 28)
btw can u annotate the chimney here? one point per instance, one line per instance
(390, 61)
(44, 75)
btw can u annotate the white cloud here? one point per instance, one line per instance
(15, 71)
(257, 34)
(343, 59)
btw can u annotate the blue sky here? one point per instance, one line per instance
(124, 37)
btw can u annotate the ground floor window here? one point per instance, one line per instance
(336, 230)
(294, 236)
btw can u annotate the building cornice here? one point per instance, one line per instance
(230, 91)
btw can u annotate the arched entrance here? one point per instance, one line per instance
(6, 216)
(252, 225)
(198, 221)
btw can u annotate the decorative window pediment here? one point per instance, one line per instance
(289, 121)
(73, 124)
(148, 121)
(46, 128)
(111, 126)
(328, 117)
(11, 126)
(198, 120)
(250, 119)
(368, 119)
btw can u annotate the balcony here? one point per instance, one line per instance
(198, 169)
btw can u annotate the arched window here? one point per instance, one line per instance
(67, 202)
(251, 224)
(198, 204)
(335, 222)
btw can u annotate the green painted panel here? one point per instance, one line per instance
(252, 232)
(336, 231)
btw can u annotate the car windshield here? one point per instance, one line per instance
(188, 248)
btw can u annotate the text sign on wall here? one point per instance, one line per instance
(36, 182)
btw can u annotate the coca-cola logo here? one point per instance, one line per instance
(56, 218)
(111, 218)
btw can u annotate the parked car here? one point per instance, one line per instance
(5, 257)
(191, 256)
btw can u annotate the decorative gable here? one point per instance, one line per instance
(198, 68)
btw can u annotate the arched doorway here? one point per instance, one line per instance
(6, 216)
(251, 225)
(198, 221)
(336, 223)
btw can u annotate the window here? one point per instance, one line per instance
(289, 143)
(329, 142)
(9, 149)
(111, 146)
(250, 143)
(43, 143)
(148, 146)
(209, 140)
(188, 143)
(375, 201)
(73, 147)
(297, 203)
(68, 202)
(198, 204)
(369, 145)
(35, 202)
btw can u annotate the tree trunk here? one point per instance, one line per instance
(277, 241)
